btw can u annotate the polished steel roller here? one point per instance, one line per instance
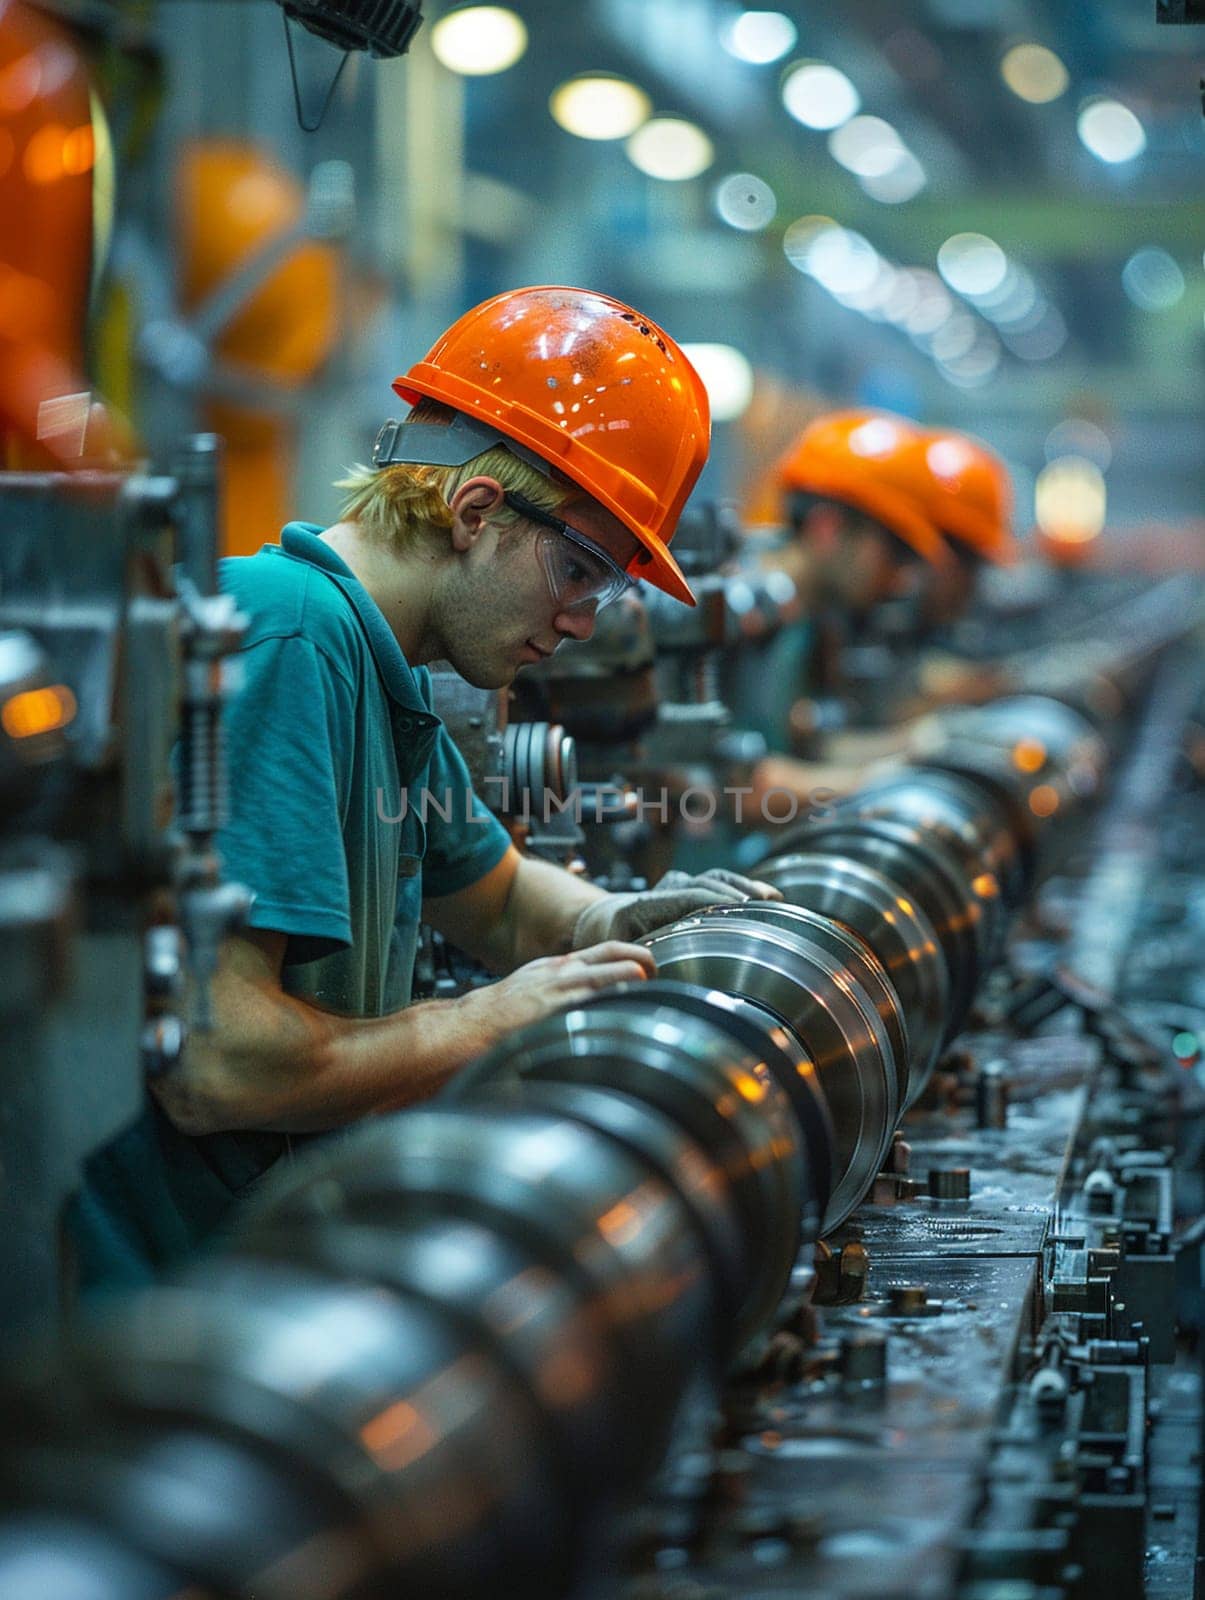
(857, 897)
(961, 812)
(922, 869)
(584, 1203)
(723, 1085)
(798, 980)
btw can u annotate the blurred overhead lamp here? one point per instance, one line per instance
(871, 299)
(759, 36)
(901, 182)
(819, 96)
(1038, 341)
(955, 338)
(727, 377)
(1111, 131)
(1152, 279)
(598, 105)
(1076, 436)
(972, 264)
(866, 146)
(975, 366)
(1070, 500)
(671, 149)
(841, 261)
(903, 299)
(1034, 73)
(798, 238)
(745, 202)
(478, 40)
(933, 305)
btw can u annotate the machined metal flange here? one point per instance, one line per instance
(858, 897)
(835, 1019)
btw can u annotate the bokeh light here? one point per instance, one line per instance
(746, 202)
(759, 36)
(727, 377)
(1034, 73)
(1111, 131)
(479, 40)
(819, 96)
(599, 106)
(671, 149)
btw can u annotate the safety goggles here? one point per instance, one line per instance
(579, 572)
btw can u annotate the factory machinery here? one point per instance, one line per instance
(660, 1298)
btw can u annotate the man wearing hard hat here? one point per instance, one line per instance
(880, 507)
(555, 437)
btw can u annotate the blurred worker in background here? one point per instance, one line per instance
(858, 536)
(555, 437)
(885, 511)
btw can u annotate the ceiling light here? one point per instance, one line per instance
(479, 40)
(745, 202)
(903, 298)
(866, 146)
(1076, 436)
(799, 237)
(1111, 131)
(933, 305)
(1070, 500)
(976, 366)
(1034, 73)
(819, 96)
(759, 36)
(954, 338)
(1153, 280)
(972, 264)
(727, 377)
(841, 261)
(670, 148)
(1041, 341)
(872, 297)
(598, 106)
(1015, 300)
(902, 182)
(1015, 279)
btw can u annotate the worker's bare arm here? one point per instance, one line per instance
(275, 1062)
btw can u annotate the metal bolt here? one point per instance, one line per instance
(991, 1096)
(950, 1183)
(908, 1297)
(863, 1358)
(1100, 1192)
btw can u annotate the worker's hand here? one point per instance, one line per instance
(678, 894)
(541, 987)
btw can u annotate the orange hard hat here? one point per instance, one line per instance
(868, 460)
(596, 390)
(231, 203)
(971, 496)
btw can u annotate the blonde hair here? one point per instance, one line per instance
(402, 503)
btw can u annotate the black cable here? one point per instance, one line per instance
(310, 127)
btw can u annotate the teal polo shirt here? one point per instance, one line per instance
(349, 802)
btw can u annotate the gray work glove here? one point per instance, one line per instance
(678, 894)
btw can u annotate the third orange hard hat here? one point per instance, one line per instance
(594, 389)
(971, 498)
(868, 460)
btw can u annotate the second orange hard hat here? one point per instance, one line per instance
(971, 494)
(869, 460)
(596, 390)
